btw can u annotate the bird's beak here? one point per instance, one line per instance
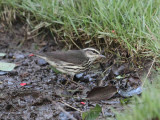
(102, 56)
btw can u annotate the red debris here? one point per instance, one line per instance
(113, 31)
(83, 103)
(23, 84)
(31, 54)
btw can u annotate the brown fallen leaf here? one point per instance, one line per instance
(102, 93)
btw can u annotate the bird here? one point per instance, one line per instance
(72, 62)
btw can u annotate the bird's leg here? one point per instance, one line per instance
(100, 82)
(69, 79)
(72, 79)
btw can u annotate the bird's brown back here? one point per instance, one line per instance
(76, 57)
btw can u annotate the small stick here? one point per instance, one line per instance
(71, 106)
(104, 76)
(149, 71)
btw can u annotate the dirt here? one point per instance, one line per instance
(34, 91)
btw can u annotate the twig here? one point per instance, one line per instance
(74, 43)
(104, 76)
(149, 71)
(71, 106)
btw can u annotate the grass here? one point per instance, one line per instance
(133, 25)
(146, 107)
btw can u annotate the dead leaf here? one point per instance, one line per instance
(2, 54)
(7, 66)
(102, 93)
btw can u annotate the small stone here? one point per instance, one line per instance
(25, 63)
(10, 55)
(41, 62)
(3, 95)
(88, 77)
(1, 86)
(63, 116)
(9, 81)
(79, 75)
(3, 73)
(30, 70)
(21, 103)
(19, 56)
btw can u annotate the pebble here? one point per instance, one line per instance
(130, 93)
(10, 55)
(88, 77)
(19, 56)
(1, 86)
(41, 62)
(30, 70)
(9, 81)
(79, 75)
(3, 73)
(25, 63)
(63, 116)
(3, 96)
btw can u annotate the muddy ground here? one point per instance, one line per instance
(34, 91)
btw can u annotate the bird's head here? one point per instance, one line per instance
(93, 54)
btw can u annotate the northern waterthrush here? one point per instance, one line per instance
(73, 61)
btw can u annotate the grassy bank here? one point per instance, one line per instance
(134, 25)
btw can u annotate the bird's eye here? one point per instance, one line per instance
(95, 52)
(92, 52)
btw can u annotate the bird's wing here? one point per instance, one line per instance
(76, 57)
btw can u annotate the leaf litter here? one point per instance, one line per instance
(101, 93)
